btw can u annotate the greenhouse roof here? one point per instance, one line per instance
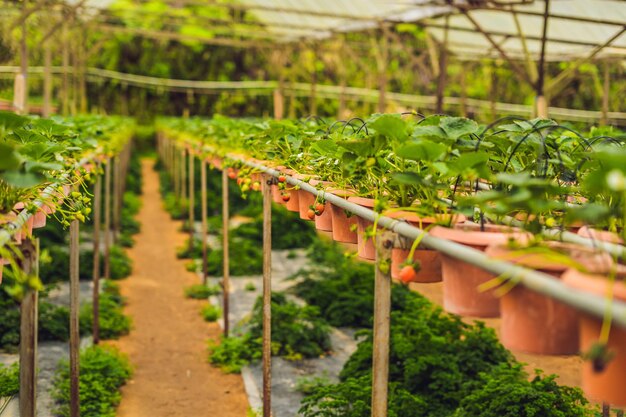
(476, 28)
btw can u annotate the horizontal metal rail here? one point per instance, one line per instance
(324, 91)
(536, 281)
(8, 229)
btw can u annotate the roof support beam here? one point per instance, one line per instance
(523, 75)
(566, 74)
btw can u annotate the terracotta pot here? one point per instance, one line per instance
(365, 245)
(532, 322)
(294, 195)
(430, 260)
(325, 220)
(342, 223)
(217, 163)
(305, 198)
(596, 234)
(8, 218)
(39, 219)
(460, 279)
(608, 385)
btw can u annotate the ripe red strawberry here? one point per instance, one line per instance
(282, 178)
(319, 209)
(286, 197)
(310, 214)
(407, 274)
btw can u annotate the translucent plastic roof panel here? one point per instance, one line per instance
(575, 29)
(322, 18)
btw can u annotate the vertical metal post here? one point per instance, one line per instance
(225, 249)
(203, 196)
(28, 334)
(192, 192)
(74, 325)
(97, 205)
(267, 297)
(382, 320)
(107, 219)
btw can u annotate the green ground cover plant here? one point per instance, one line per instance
(201, 291)
(297, 332)
(103, 371)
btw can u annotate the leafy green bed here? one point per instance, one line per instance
(297, 332)
(103, 371)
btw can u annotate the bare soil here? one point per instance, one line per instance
(168, 343)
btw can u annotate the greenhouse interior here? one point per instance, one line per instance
(314, 208)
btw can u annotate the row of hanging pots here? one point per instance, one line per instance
(530, 322)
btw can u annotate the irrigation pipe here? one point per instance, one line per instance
(533, 280)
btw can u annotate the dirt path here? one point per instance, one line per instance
(167, 345)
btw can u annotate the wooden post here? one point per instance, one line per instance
(97, 205)
(443, 69)
(382, 72)
(606, 410)
(605, 95)
(65, 59)
(313, 93)
(279, 103)
(267, 297)
(493, 90)
(107, 219)
(541, 103)
(47, 80)
(183, 173)
(116, 197)
(175, 170)
(382, 320)
(23, 100)
(203, 196)
(74, 325)
(192, 186)
(225, 249)
(28, 334)
(463, 82)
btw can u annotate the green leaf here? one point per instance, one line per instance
(455, 127)
(21, 180)
(392, 126)
(423, 151)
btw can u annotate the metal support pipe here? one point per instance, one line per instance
(267, 296)
(225, 250)
(531, 279)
